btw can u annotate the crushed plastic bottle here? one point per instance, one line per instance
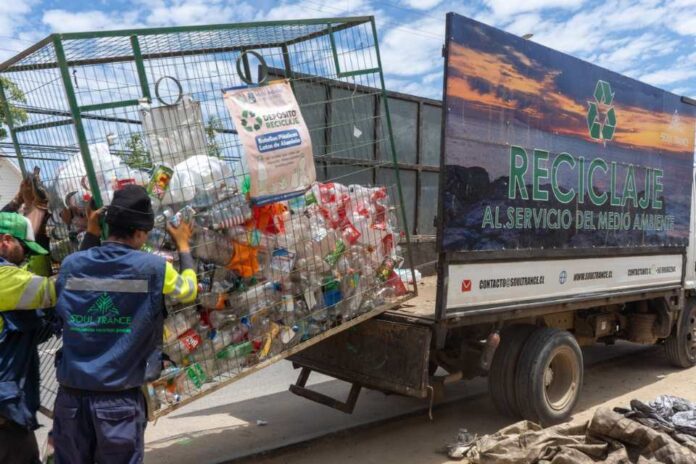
(177, 324)
(256, 297)
(231, 212)
(223, 317)
(184, 345)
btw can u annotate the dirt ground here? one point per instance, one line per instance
(418, 440)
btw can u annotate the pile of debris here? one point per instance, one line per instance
(663, 430)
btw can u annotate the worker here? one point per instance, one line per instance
(110, 304)
(21, 331)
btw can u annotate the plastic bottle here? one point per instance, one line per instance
(159, 182)
(282, 261)
(221, 318)
(350, 289)
(178, 323)
(333, 257)
(287, 311)
(331, 289)
(185, 214)
(191, 380)
(165, 395)
(239, 332)
(236, 352)
(156, 238)
(231, 212)
(255, 298)
(212, 247)
(184, 345)
(204, 356)
(385, 269)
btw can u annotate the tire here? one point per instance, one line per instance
(549, 376)
(501, 377)
(680, 346)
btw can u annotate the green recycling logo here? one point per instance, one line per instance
(250, 121)
(601, 116)
(104, 306)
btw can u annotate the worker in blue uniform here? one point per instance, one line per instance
(110, 301)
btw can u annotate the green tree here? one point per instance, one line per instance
(212, 129)
(13, 94)
(136, 154)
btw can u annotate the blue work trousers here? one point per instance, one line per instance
(99, 427)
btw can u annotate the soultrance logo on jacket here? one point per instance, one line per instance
(102, 316)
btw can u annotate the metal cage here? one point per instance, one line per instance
(76, 106)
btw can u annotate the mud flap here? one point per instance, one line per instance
(378, 354)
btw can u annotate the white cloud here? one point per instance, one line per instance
(180, 12)
(413, 49)
(423, 87)
(523, 24)
(600, 30)
(668, 76)
(421, 4)
(511, 7)
(433, 77)
(683, 91)
(13, 14)
(94, 20)
(684, 24)
(315, 9)
(627, 52)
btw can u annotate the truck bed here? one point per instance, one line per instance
(420, 308)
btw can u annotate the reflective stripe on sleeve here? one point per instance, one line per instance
(94, 284)
(191, 289)
(177, 286)
(31, 291)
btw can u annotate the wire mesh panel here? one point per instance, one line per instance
(146, 107)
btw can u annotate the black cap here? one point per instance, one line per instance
(131, 208)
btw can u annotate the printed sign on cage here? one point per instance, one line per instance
(276, 140)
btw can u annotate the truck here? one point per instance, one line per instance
(565, 218)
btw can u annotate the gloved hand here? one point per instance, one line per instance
(39, 192)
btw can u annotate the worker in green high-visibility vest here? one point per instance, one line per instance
(21, 331)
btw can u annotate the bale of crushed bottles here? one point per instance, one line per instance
(271, 277)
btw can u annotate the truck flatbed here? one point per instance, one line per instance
(420, 308)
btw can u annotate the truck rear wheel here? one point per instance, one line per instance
(549, 376)
(501, 378)
(680, 346)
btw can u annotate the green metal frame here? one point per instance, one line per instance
(357, 72)
(395, 159)
(77, 119)
(140, 66)
(10, 125)
(343, 23)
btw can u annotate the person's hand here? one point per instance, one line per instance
(94, 220)
(26, 192)
(181, 235)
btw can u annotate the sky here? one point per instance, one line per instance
(653, 41)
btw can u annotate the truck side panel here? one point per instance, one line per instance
(509, 283)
